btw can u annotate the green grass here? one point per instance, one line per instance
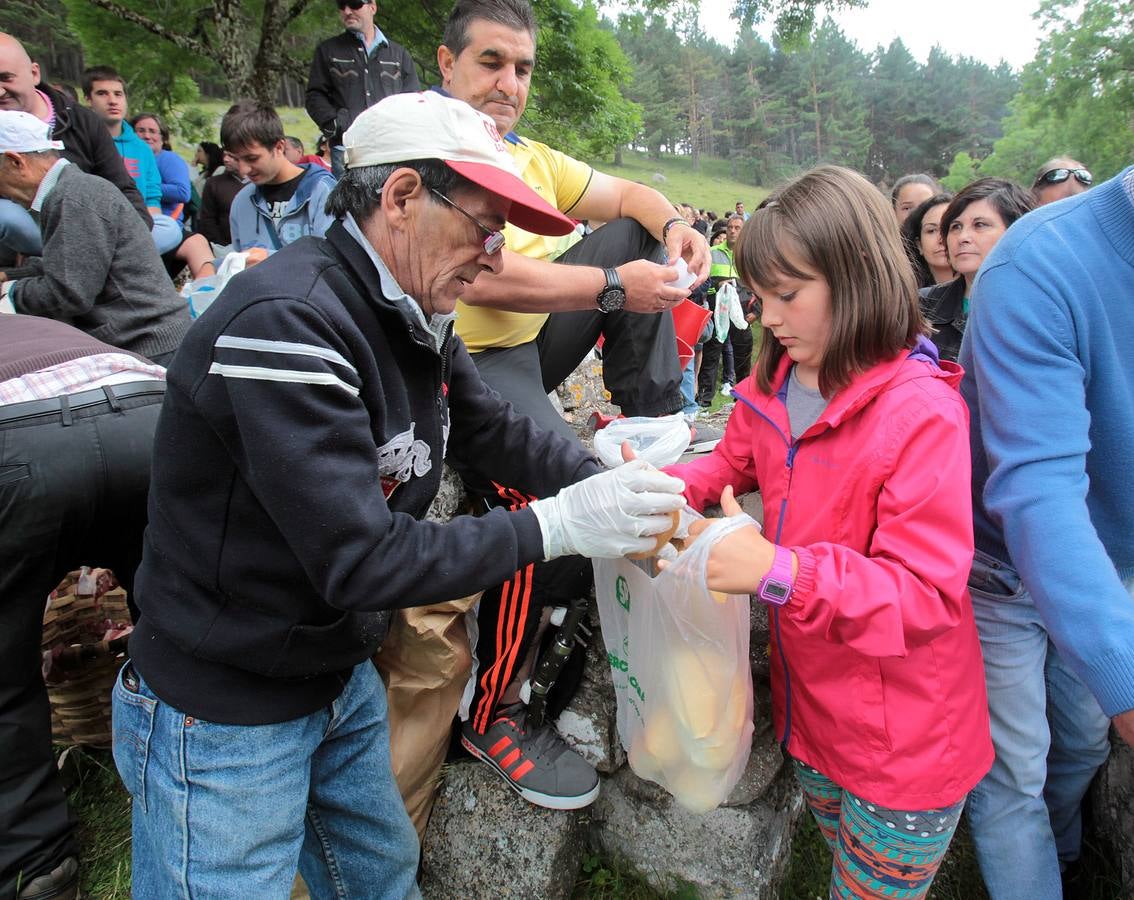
(715, 187)
(605, 879)
(103, 808)
(295, 122)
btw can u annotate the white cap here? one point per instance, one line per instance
(430, 125)
(21, 132)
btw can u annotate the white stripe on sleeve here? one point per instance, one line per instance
(263, 346)
(258, 373)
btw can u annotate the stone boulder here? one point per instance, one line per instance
(733, 851)
(1113, 804)
(484, 841)
(589, 723)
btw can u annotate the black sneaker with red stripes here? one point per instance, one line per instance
(537, 764)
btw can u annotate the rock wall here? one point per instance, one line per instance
(484, 841)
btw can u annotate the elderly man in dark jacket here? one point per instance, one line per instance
(319, 395)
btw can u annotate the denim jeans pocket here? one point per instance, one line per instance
(991, 578)
(133, 718)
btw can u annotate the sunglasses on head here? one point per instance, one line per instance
(353, 4)
(1058, 176)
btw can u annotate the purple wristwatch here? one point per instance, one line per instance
(775, 587)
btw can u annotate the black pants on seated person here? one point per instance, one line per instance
(641, 371)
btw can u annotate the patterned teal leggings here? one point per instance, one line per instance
(878, 852)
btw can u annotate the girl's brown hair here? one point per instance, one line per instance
(834, 223)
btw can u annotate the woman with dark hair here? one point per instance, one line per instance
(925, 243)
(911, 190)
(209, 160)
(972, 223)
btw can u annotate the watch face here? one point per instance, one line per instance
(612, 299)
(776, 592)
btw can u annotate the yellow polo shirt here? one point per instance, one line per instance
(562, 182)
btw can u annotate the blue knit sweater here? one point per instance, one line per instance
(1050, 387)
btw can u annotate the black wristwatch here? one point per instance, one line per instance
(612, 297)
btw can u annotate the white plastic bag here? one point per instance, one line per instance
(728, 310)
(201, 292)
(678, 654)
(659, 441)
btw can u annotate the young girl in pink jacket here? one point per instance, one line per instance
(857, 439)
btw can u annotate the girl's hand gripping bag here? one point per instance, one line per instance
(678, 654)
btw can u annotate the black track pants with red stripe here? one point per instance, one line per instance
(641, 371)
(508, 619)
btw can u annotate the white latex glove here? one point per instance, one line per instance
(611, 514)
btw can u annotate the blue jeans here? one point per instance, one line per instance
(689, 389)
(19, 232)
(166, 232)
(231, 810)
(1050, 736)
(338, 160)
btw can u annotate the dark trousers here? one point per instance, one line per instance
(741, 340)
(639, 354)
(70, 495)
(641, 372)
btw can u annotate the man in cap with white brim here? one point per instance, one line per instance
(98, 271)
(301, 442)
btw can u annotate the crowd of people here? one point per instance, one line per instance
(934, 410)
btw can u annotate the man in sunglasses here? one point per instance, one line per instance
(1060, 177)
(352, 71)
(299, 447)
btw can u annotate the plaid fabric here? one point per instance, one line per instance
(77, 375)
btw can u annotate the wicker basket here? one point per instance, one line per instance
(85, 627)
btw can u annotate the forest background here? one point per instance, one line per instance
(651, 82)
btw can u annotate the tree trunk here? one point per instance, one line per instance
(694, 121)
(251, 68)
(818, 122)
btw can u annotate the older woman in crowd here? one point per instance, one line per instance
(193, 251)
(972, 224)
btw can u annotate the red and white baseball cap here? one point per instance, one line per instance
(430, 125)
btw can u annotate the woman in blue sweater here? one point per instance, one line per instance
(176, 187)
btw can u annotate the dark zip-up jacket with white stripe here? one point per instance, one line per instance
(300, 444)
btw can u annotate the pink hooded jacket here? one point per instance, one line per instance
(877, 678)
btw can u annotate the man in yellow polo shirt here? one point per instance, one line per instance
(527, 329)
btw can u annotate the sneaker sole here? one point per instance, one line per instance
(547, 801)
(702, 446)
